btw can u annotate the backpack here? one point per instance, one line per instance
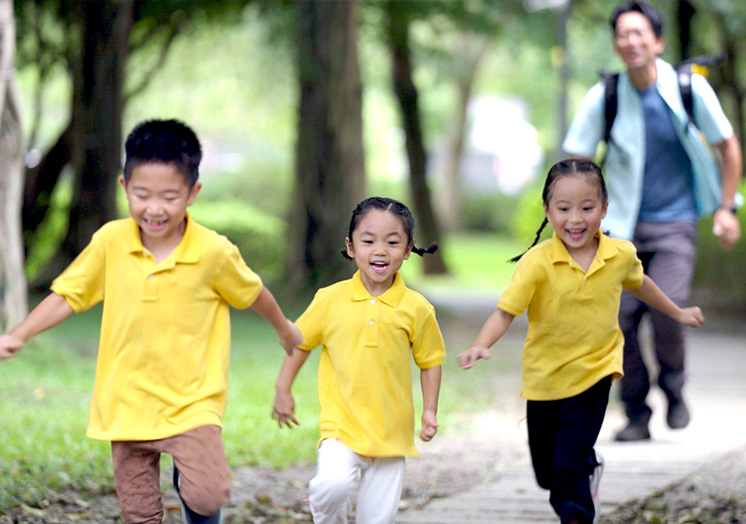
(684, 70)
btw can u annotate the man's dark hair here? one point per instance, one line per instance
(166, 142)
(639, 6)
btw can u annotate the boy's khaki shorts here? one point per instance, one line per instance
(198, 454)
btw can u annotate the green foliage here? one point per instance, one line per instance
(477, 262)
(719, 277)
(529, 214)
(491, 212)
(260, 237)
(48, 237)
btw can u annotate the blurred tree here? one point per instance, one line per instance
(406, 93)
(105, 27)
(13, 304)
(447, 40)
(330, 170)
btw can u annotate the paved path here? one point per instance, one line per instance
(716, 392)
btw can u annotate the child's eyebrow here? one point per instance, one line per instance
(391, 233)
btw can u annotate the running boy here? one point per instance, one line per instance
(369, 328)
(570, 287)
(166, 283)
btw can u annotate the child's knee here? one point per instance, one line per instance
(329, 490)
(207, 499)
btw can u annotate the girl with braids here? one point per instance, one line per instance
(367, 327)
(570, 286)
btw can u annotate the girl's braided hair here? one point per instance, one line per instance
(564, 168)
(395, 207)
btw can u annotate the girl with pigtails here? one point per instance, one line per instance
(369, 327)
(570, 287)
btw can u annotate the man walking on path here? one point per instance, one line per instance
(661, 180)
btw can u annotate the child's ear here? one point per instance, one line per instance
(606, 207)
(123, 183)
(409, 251)
(350, 250)
(193, 193)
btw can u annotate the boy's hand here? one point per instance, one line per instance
(291, 338)
(691, 316)
(283, 409)
(9, 344)
(429, 426)
(471, 355)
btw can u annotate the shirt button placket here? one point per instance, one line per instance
(372, 331)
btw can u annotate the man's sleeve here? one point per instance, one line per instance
(587, 128)
(708, 113)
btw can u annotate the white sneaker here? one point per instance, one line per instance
(595, 480)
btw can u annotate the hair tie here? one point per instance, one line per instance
(432, 248)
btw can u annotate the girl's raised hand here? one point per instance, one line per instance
(471, 355)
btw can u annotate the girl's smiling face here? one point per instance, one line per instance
(575, 210)
(379, 245)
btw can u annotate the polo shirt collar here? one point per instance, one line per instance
(391, 297)
(187, 252)
(606, 250)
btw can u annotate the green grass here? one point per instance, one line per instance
(46, 389)
(476, 261)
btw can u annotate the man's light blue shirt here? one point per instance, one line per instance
(625, 159)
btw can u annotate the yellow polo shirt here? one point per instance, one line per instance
(573, 339)
(365, 370)
(165, 331)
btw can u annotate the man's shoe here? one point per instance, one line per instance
(678, 415)
(595, 481)
(633, 432)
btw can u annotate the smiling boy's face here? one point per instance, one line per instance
(158, 196)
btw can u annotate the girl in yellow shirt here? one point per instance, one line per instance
(367, 326)
(570, 287)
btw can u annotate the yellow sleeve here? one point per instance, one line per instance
(82, 282)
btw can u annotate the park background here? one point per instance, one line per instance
(304, 108)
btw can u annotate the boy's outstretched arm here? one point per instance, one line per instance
(492, 330)
(430, 384)
(283, 408)
(266, 305)
(50, 312)
(651, 294)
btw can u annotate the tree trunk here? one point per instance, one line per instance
(330, 171)
(730, 79)
(13, 300)
(685, 12)
(452, 199)
(40, 183)
(406, 93)
(96, 125)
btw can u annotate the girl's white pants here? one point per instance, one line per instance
(337, 470)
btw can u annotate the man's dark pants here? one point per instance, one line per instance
(668, 252)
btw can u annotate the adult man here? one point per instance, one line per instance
(661, 179)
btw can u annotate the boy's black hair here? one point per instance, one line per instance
(398, 209)
(167, 142)
(564, 168)
(639, 6)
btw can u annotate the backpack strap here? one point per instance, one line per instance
(611, 101)
(684, 75)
